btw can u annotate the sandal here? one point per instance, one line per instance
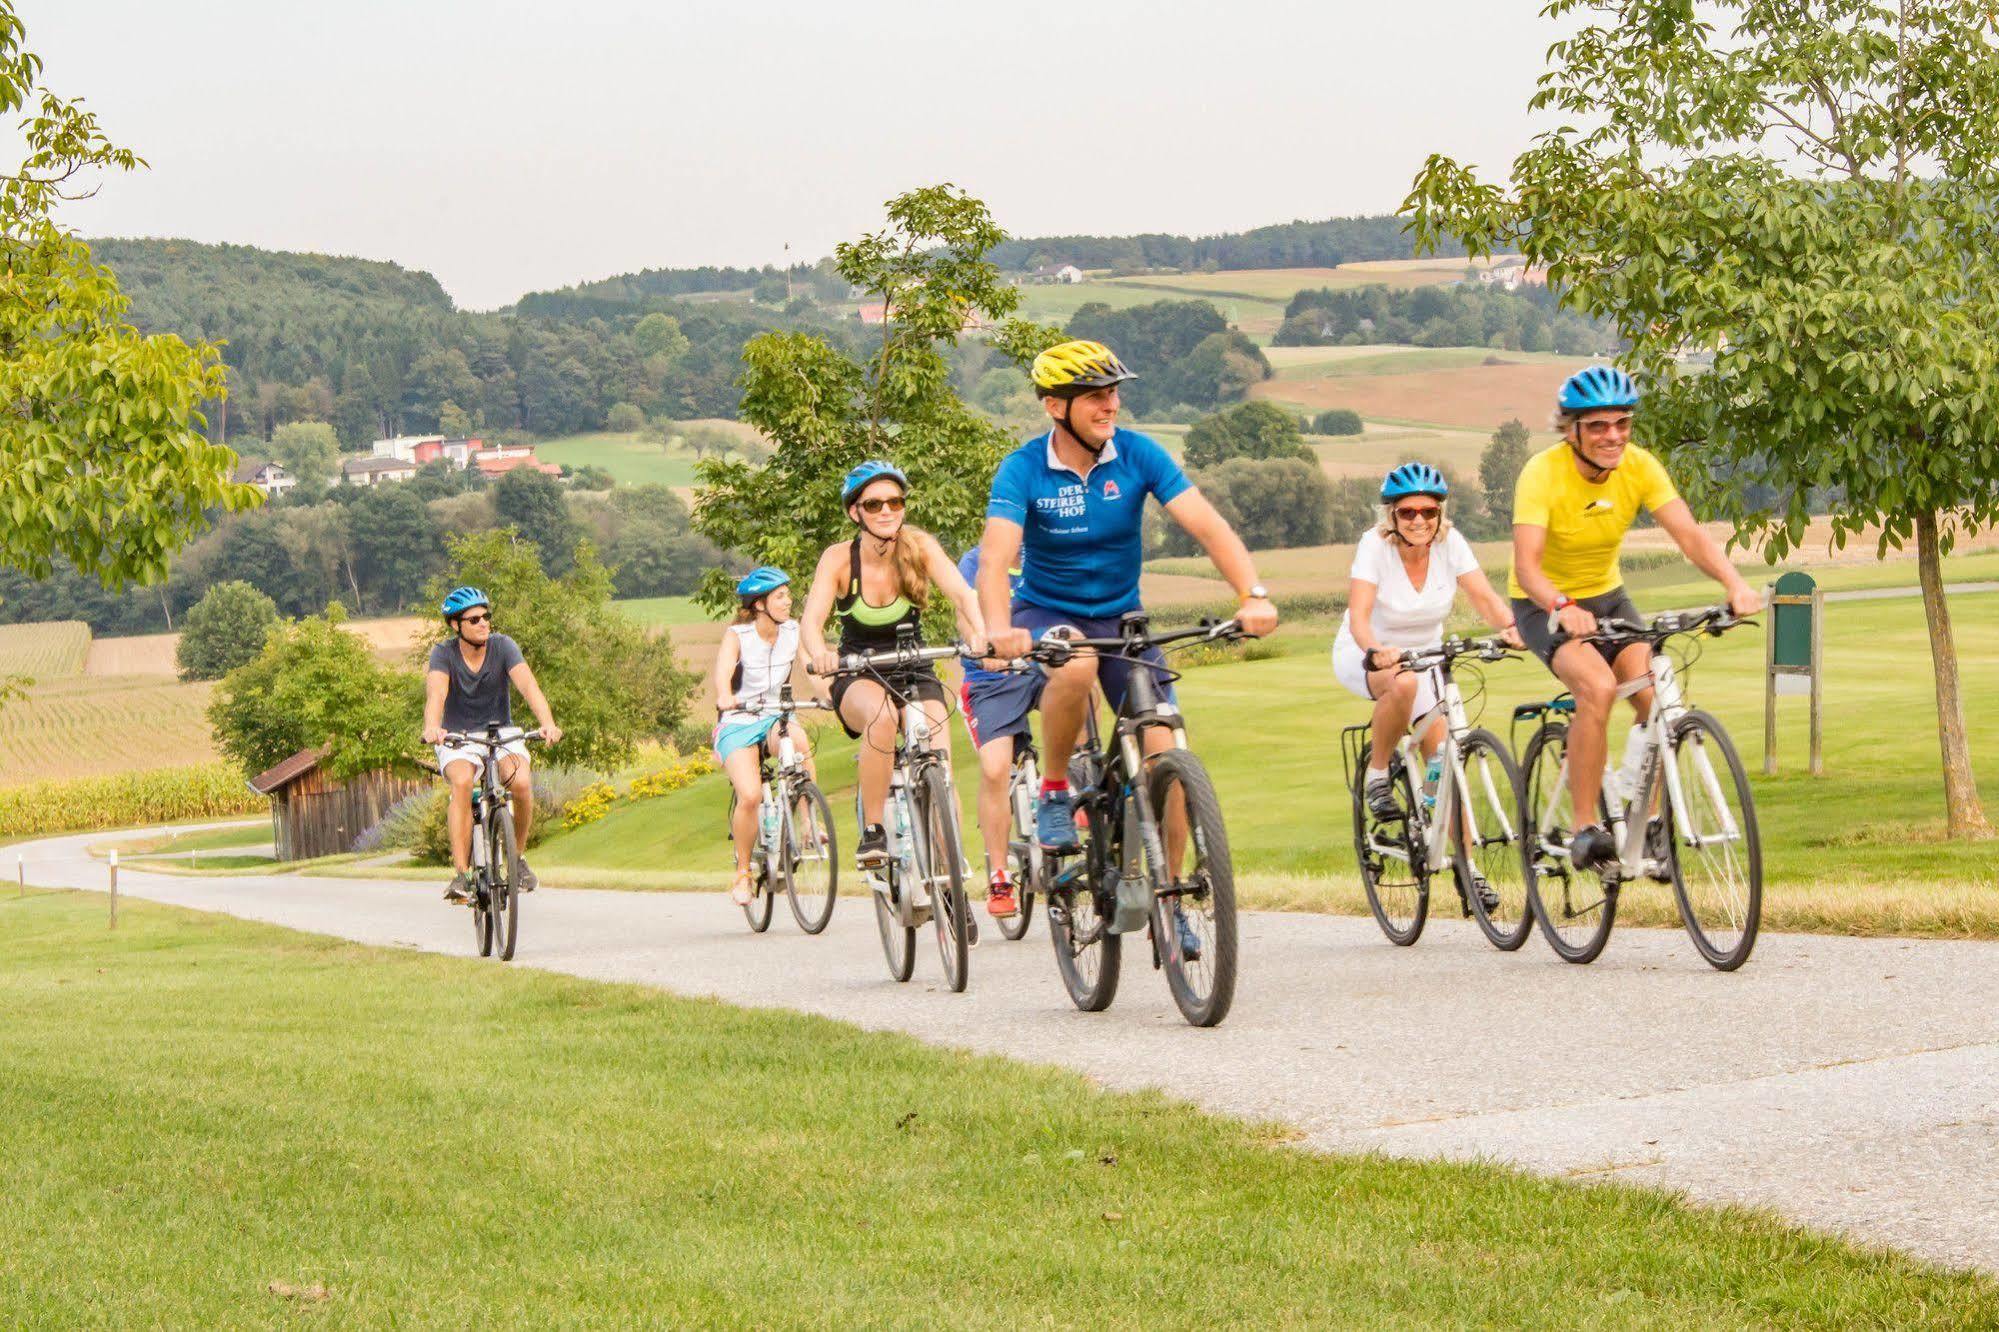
(740, 890)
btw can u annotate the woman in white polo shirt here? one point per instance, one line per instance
(1407, 573)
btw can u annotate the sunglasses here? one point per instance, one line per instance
(1410, 515)
(892, 504)
(1598, 429)
(475, 619)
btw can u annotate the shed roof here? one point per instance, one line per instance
(287, 772)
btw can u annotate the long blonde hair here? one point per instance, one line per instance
(912, 572)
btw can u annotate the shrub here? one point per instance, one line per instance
(224, 630)
(1251, 430)
(624, 418)
(1337, 421)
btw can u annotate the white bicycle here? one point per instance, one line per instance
(1474, 824)
(1696, 829)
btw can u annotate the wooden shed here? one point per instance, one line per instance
(313, 815)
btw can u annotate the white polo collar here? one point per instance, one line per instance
(1055, 463)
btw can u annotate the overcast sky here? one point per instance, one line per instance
(508, 146)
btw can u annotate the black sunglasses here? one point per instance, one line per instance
(893, 503)
(475, 619)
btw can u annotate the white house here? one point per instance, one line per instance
(404, 447)
(266, 476)
(375, 471)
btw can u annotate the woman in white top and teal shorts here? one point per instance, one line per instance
(752, 666)
(1407, 573)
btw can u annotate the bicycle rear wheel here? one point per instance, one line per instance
(943, 869)
(1716, 854)
(1575, 908)
(1490, 811)
(812, 858)
(503, 862)
(1025, 860)
(482, 918)
(1080, 906)
(1200, 898)
(1391, 865)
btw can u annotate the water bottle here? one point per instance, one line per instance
(767, 819)
(1632, 771)
(1431, 776)
(900, 843)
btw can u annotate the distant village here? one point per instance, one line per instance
(398, 458)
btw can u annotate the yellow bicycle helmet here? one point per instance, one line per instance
(1072, 368)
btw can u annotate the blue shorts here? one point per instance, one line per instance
(998, 708)
(729, 739)
(1113, 673)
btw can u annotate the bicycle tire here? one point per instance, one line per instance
(1025, 863)
(1399, 907)
(507, 906)
(898, 940)
(817, 827)
(1494, 801)
(943, 869)
(1746, 912)
(1574, 920)
(763, 901)
(1203, 988)
(1087, 955)
(482, 917)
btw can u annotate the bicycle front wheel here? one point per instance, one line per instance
(812, 858)
(1575, 908)
(507, 899)
(1716, 854)
(1391, 863)
(1485, 844)
(943, 870)
(1080, 907)
(482, 917)
(1193, 911)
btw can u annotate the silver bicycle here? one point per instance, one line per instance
(796, 850)
(1470, 821)
(1688, 819)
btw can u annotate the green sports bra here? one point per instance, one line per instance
(865, 627)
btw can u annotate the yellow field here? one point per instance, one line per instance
(1478, 397)
(50, 651)
(90, 725)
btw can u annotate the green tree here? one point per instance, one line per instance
(1499, 468)
(624, 418)
(395, 544)
(103, 463)
(610, 682)
(453, 420)
(824, 411)
(314, 684)
(659, 335)
(1249, 430)
(770, 290)
(1272, 503)
(1806, 192)
(309, 450)
(224, 630)
(1337, 421)
(1353, 505)
(590, 477)
(532, 503)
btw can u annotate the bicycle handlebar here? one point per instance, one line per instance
(890, 658)
(1485, 649)
(459, 739)
(1054, 651)
(1711, 620)
(755, 706)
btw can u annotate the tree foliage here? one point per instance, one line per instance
(1286, 245)
(309, 450)
(825, 410)
(1272, 502)
(1499, 470)
(609, 681)
(224, 630)
(1250, 430)
(1803, 193)
(103, 465)
(1183, 352)
(1337, 421)
(1469, 315)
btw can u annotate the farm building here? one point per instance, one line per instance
(313, 815)
(375, 471)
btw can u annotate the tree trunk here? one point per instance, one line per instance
(1960, 788)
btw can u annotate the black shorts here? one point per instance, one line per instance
(918, 682)
(1538, 632)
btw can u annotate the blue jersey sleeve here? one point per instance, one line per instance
(968, 566)
(1009, 495)
(1162, 475)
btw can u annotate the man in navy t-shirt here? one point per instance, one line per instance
(1069, 507)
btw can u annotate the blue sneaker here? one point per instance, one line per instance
(1190, 942)
(1055, 822)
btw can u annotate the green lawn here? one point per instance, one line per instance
(216, 1123)
(668, 611)
(1057, 302)
(629, 459)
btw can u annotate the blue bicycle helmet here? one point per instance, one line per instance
(1597, 388)
(1414, 478)
(763, 579)
(871, 470)
(462, 599)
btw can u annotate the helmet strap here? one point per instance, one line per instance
(1596, 471)
(1069, 410)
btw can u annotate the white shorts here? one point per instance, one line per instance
(511, 743)
(1350, 669)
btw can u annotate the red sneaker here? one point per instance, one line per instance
(1000, 901)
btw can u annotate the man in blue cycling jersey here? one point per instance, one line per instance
(1073, 501)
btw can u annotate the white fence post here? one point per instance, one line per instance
(114, 889)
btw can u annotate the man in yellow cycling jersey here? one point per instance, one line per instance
(1571, 508)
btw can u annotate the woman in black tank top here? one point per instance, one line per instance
(877, 586)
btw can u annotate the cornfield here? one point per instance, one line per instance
(162, 795)
(89, 726)
(51, 651)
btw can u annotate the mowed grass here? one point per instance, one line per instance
(216, 1123)
(89, 725)
(1475, 396)
(53, 650)
(668, 611)
(630, 459)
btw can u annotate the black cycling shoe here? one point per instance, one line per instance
(1658, 848)
(1592, 848)
(528, 882)
(873, 848)
(1381, 802)
(459, 890)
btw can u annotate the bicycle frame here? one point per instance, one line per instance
(1433, 831)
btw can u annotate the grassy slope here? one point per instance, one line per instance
(198, 1108)
(669, 611)
(629, 459)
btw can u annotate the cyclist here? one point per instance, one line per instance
(878, 585)
(465, 689)
(1571, 508)
(997, 705)
(1074, 501)
(1407, 572)
(752, 666)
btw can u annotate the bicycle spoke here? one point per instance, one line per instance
(1716, 862)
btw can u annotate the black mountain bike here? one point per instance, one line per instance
(496, 863)
(1154, 854)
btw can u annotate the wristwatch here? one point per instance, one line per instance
(1257, 593)
(1561, 603)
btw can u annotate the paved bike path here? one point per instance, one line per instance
(1851, 1084)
